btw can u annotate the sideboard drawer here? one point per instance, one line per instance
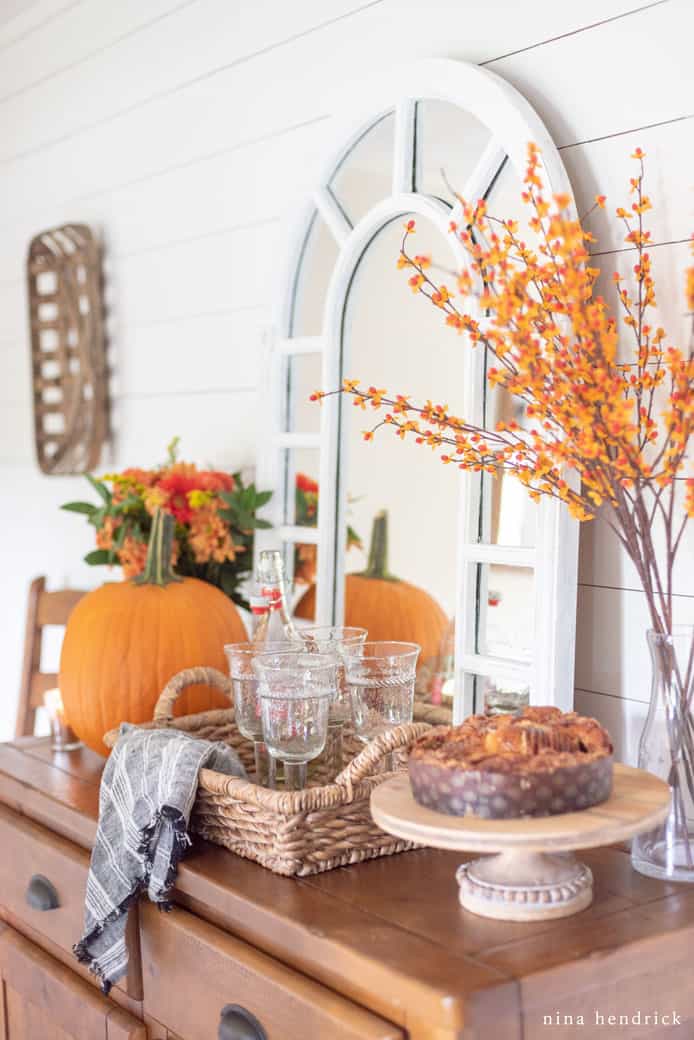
(43, 879)
(41, 999)
(182, 954)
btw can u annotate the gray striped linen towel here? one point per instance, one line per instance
(147, 792)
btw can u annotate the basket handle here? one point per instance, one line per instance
(366, 761)
(163, 709)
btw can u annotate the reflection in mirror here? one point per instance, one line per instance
(450, 143)
(364, 176)
(404, 505)
(506, 616)
(316, 265)
(301, 510)
(499, 693)
(304, 376)
(508, 516)
(504, 202)
(302, 476)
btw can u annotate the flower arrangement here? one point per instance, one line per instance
(609, 416)
(214, 512)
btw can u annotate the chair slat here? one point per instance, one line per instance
(56, 607)
(40, 682)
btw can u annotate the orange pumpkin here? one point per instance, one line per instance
(125, 640)
(384, 605)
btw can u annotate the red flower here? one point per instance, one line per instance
(306, 484)
(176, 487)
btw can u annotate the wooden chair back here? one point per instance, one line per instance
(44, 608)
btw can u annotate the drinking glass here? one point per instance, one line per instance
(296, 689)
(380, 677)
(247, 702)
(333, 640)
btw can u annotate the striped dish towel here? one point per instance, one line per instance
(147, 792)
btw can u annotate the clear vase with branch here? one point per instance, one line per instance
(609, 409)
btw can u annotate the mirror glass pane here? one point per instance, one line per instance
(498, 693)
(316, 266)
(450, 143)
(304, 376)
(506, 614)
(505, 203)
(301, 509)
(365, 175)
(301, 506)
(509, 515)
(396, 339)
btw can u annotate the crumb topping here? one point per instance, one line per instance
(539, 739)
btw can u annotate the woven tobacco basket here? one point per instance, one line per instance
(296, 833)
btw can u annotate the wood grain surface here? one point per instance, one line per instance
(31, 850)
(43, 998)
(179, 947)
(389, 934)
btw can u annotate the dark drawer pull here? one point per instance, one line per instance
(42, 894)
(238, 1024)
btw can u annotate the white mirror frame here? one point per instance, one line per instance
(513, 123)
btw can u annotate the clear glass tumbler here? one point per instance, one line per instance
(296, 689)
(247, 702)
(381, 678)
(334, 640)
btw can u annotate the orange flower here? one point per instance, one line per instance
(209, 537)
(104, 536)
(132, 557)
(555, 344)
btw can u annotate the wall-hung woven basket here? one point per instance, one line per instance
(326, 825)
(68, 357)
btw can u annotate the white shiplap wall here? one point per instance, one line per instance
(183, 129)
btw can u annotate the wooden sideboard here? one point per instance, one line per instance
(378, 951)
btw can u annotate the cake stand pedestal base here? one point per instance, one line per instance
(525, 886)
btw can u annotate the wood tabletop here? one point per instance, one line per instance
(391, 935)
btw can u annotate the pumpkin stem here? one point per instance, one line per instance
(158, 569)
(377, 566)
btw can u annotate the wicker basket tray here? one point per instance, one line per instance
(326, 825)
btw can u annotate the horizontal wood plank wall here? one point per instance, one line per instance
(185, 129)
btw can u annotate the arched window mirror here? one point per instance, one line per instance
(496, 573)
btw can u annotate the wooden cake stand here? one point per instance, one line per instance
(534, 875)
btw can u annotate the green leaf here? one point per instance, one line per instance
(80, 507)
(99, 556)
(263, 525)
(97, 518)
(262, 498)
(172, 450)
(100, 489)
(121, 535)
(130, 502)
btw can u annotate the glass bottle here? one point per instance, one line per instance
(274, 625)
(259, 611)
(667, 749)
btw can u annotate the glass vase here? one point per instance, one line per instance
(667, 749)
